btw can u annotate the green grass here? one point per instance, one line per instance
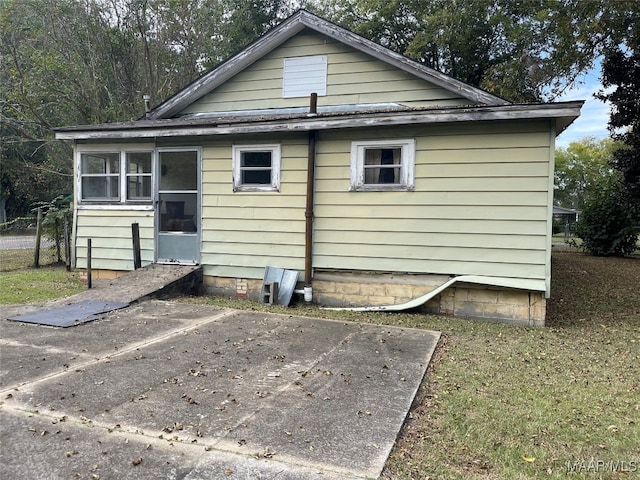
(20, 283)
(507, 402)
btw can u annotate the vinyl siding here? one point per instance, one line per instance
(353, 77)
(111, 241)
(243, 232)
(479, 205)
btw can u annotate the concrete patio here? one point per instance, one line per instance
(173, 390)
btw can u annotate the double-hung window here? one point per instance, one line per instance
(256, 168)
(116, 177)
(383, 165)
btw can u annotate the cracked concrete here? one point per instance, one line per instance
(170, 390)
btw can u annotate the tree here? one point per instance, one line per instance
(247, 20)
(621, 73)
(67, 62)
(523, 51)
(606, 223)
(579, 167)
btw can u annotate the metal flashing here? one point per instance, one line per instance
(564, 112)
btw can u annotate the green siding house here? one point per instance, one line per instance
(315, 150)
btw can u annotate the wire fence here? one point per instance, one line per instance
(26, 241)
(20, 235)
(19, 225)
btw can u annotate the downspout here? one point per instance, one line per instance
(308, 213)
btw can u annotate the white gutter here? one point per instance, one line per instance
(522, 284)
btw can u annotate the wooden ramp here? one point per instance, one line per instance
(107, 295)
(153, 280)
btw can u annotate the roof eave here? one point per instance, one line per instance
(563, 113)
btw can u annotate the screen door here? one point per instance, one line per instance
(178, 207)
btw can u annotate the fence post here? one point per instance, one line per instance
(57, 237)
(36, 251)
(67, 246)
(135, 233)
(89, 263)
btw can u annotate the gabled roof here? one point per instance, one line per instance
(288, 28)
(557, 210)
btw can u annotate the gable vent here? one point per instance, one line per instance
(304, 76)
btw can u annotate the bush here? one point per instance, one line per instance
(606, 225)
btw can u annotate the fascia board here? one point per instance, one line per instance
(400, 61)
(566, 110)
(225, 71)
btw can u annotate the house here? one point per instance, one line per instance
(566, 215)
(315, 150)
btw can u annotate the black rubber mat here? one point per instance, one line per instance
(70, 315)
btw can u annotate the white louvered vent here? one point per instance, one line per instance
(305, 75)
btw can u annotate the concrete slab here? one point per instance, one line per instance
(169, 390)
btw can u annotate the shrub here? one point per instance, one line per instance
(606, 224)
(57, 216)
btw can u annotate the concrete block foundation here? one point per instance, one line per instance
(349, 289)
(472, 301)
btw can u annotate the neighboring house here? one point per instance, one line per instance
(567, 215)
(399, 180)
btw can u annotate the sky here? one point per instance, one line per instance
(594, 114)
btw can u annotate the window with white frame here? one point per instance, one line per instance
(383, 165)
(116, 177)
(138, 176)
(100, 176)
(256, 168)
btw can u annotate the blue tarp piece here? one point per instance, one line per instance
(70, 315)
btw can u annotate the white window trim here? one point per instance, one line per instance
(407, 162)
(126, 175)
(122, 150)
(107, 176)
(275, 168)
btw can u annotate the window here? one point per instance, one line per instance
(138, 176)
(256, 168)
(382, 165)
(116, 177)
(100, 176)
(305, 75)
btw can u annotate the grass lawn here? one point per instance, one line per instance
(506, 402)
(19, 283)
